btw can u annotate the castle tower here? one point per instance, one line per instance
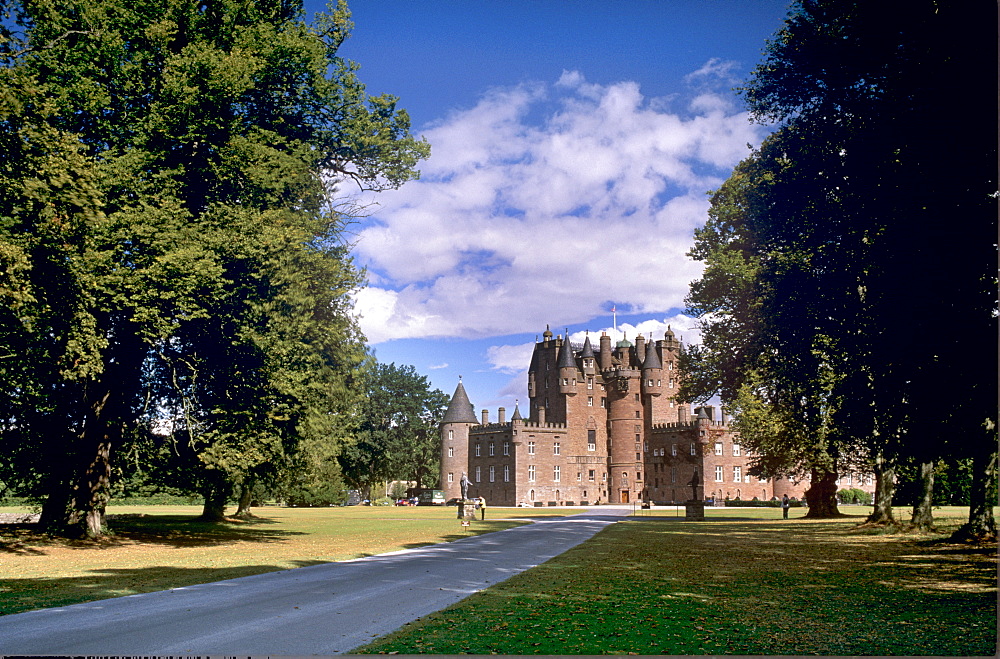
(567, 368)
(455, 425)
(625, 426)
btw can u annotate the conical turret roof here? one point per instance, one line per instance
(566, 359)
(517, 414)
(460, 409)
(588, 350)
(652, 359)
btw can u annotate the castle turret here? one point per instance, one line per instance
(588, 358)
(652, 372)
(567, 368)
(455, 425)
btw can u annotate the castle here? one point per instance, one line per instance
(603, 426)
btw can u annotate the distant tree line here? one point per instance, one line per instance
(175, 280)
(849, 298)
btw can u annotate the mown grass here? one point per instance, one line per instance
(733, 585)
(159, 547)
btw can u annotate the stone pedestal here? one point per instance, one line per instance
(466, 510)
(694, 510)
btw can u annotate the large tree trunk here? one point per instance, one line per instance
(245, 498)
(981, 526)
(923, 517)
(885, 488)
(217, 490)
(822, 495)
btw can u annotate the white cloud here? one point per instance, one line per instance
(543, 202)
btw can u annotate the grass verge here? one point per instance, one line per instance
(160, 547)
(733, 585)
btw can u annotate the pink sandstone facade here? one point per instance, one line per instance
(603, 426)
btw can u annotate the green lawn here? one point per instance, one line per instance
(733, 585)
(161, 547)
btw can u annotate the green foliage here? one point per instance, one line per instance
(854, 496)
(830, 252)
(170, 246)
(396, 435)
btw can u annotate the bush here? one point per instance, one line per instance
(854, 496)
(383, 501)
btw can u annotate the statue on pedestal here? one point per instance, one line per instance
(465, 486)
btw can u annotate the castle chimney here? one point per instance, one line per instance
(541, 416)
(486, 416)
(502, 415)
(682, 413)
(640, 348)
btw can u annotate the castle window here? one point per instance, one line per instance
(591, 440)
(638, 475)
(605, 477)
(671, 402)
(694, 449)
(649, 382)
(531, 448)
(506, 473)
(670, 366)
(673, 474)
(451, 434)
(492, 473)
(637, 458)
(590, 474)
(737, 474)
(673, 449)
(637, 414)
(736, 450)
(746, 479)
(624, 480)
(555, 448)
(658, 383)
(637, 398)
(590, 401)
(478, 477)
(506, 448)
(492, 449)
(671, 382)
(590, 383)
(604, 401)
(531, 495)
(718, 448)
(638, 438)
(718, 473)
(579, 476)
(556, 473)
(531, 474)
(451, 477)
(477, 450)
(451, 451)
(645, 447)
(566, 381)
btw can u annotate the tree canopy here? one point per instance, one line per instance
(170, 236)
(851, 260)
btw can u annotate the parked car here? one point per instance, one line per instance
(454, 501)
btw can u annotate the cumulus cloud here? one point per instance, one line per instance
(543, 202)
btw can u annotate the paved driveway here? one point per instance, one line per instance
(317, 610)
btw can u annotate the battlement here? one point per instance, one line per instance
(553, 426)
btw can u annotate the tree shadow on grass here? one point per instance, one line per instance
(176, 531)
(19, 595)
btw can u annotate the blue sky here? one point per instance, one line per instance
(572, 146)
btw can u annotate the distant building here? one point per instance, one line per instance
(603, 426)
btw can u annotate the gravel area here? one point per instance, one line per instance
(18, 518)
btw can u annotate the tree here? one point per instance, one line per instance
(851, 211)
(396, 433)
(168, 170)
